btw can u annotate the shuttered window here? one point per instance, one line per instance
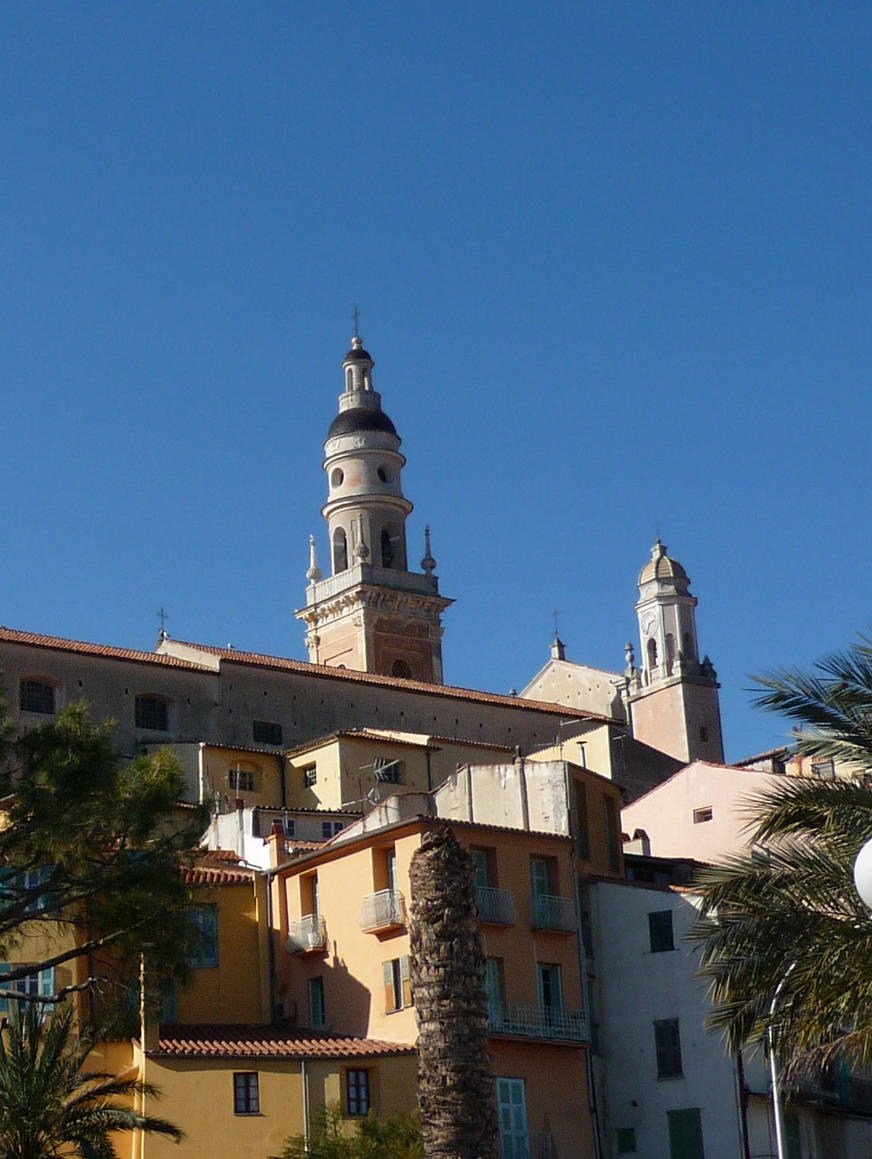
(397, 983)
(685, 1134)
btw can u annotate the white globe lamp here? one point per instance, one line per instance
(863, 874)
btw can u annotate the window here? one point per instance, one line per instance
(310, 776)
(40, 983)
(204, 954)
(626, 1140)
(401, 668)
(37, 696)
(387, 551)
(398, 984)
(388, 771)
(266, 732)
(703, 733)
(667, 1044)
(700, 816)
(652, 653)
(317, 1011)
(330, 829)
(685, 1134)
(512, 1110)
(793, 1136)
(246, 1094)
(550, 987)
(484, 868)
(582, 831)
(357, 1100)
(543, 874)
(612, 832)
(826, 770)
(340, 551)
(494, 987)
(243, 778)
(152, 712)
(660, 931)
(337, 477)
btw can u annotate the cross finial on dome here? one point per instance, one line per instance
(659, 549)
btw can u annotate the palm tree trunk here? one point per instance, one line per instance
(455, 1085)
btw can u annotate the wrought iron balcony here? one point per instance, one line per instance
(551, 1022)
(495, 906)
(307, 935)
(531, 1145)
(384, 910)
(554, 913)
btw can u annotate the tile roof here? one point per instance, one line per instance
(207, 875)
(248, 1041)
(260, 660)
(33, 639)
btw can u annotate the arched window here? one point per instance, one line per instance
(387, 550)
(652, 653)
(340, 551)
(348, 379)
(401, 668)
(670, 650)
(687, 646)
(337, 477)
(153, 712)
(37, 694)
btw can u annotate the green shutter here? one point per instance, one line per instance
(794, 1142)
(47, 982)
(685, 1134)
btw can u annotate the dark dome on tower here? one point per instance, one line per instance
(361, 418)
(358, 354)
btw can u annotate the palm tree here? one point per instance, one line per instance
(49, 1105)
(455, 1085)
(786, 942)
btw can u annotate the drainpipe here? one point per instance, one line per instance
(522, 783)
(304, 1074)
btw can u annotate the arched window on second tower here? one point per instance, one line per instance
(340, 551)
(652, 652)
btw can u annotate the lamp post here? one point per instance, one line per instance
(863, 874)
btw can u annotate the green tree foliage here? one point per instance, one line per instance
(92, 848)
(786, 942)
(50, 1104)
(397, 1137)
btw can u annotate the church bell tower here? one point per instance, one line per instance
(673, 697)
(372, 613)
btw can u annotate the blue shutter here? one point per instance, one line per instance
(47, 982)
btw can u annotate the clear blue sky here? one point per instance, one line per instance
(613, 262)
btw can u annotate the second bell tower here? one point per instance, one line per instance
(371, 613)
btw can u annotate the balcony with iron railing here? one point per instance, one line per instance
(496, 907)
(554, 913)
(531, 1145)
(552, 1022)
(385, 910)
(308, 935)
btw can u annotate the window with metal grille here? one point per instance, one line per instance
(246, 1093)
(36, 696)
(667, 1045)
(243, 778)
(660, 931)
(266, 732)
(357, 1100)
(388, 771)
(152, 712)
(310, 776)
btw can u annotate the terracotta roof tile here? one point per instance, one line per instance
(248, 1041)
(33, 639)
(204, 875)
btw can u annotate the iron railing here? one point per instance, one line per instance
(538, 1022)
(554, 913)
(382, 910)
(495, 906)
(307, 934)
(532, 1145)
